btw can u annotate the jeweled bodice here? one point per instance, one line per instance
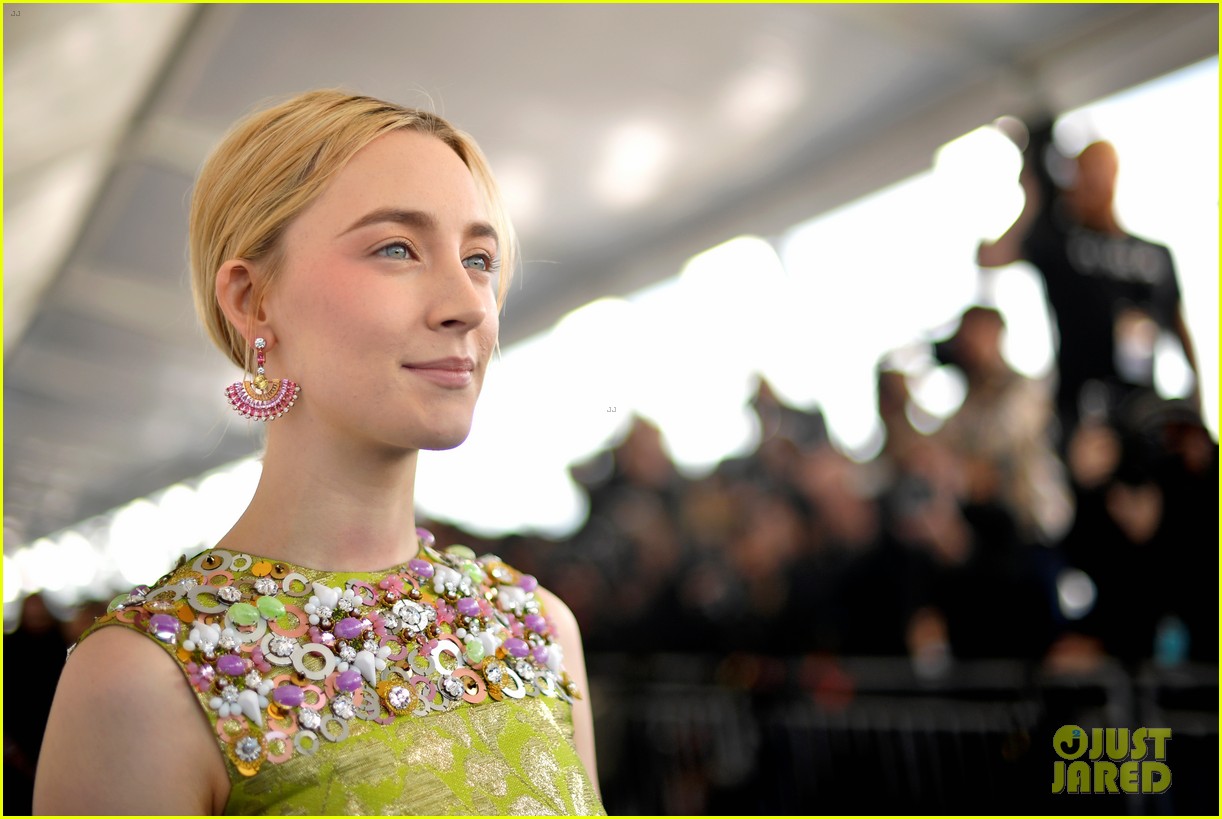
(444, 672)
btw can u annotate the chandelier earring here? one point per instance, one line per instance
(262, 398)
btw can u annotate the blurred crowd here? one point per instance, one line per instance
(1060, 520)
(972, 542)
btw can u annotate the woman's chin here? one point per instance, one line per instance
(442, 446)
(442, 439)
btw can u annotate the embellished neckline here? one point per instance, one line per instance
(424, 540)
(288, 659)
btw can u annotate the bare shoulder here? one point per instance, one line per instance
(561, 615)
(126, 735)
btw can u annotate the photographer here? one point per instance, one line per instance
(1111, 293)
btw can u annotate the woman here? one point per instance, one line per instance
(324, 657)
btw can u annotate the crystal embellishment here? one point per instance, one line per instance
(247, 749)
(399, 697)
(452, 687)
(281, 646)
(342, 707)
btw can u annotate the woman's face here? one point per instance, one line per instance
(385, 311)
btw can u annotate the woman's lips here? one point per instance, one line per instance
(453, 373)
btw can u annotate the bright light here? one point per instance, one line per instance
(223, 496)
(79, 561)
(12, 580)
(1027, 344)
(1075, 593)
(1172, 376)
(181, 515)
(39, 566)
(511, 473)
(867, 296)
(978, 174)
(135, 542)
(703, 341)
(633, 160)
(939, 391)
(761, 95)
(596, 348)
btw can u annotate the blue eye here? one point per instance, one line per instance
(479, 262)
(396, 250)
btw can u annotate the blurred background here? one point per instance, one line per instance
(749, 240)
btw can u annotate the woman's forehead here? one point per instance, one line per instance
(407, 170)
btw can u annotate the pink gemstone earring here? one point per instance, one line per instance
(262, 399)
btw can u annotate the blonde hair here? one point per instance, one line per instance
(274, 163)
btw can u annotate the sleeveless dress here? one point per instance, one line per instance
(434, 688)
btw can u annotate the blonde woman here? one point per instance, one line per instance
(325, 656)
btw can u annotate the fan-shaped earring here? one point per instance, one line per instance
(261, 398)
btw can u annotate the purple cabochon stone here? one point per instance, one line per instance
(468, 607)
(164, 627)
(290, 696)
(535, 622)
(349, 680)
(422, 568)
(231, 664)
(528, 582)
(516, 647)
(540, 654)
(348, 628)
(425, 536)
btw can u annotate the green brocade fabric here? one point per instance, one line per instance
(435, 688)
(506, 758)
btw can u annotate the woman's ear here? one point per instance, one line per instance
(235, 293)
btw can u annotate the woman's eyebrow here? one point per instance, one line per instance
(419, 220)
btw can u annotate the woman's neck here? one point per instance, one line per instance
(330, 504)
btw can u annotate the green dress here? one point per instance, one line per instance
(434, 688)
